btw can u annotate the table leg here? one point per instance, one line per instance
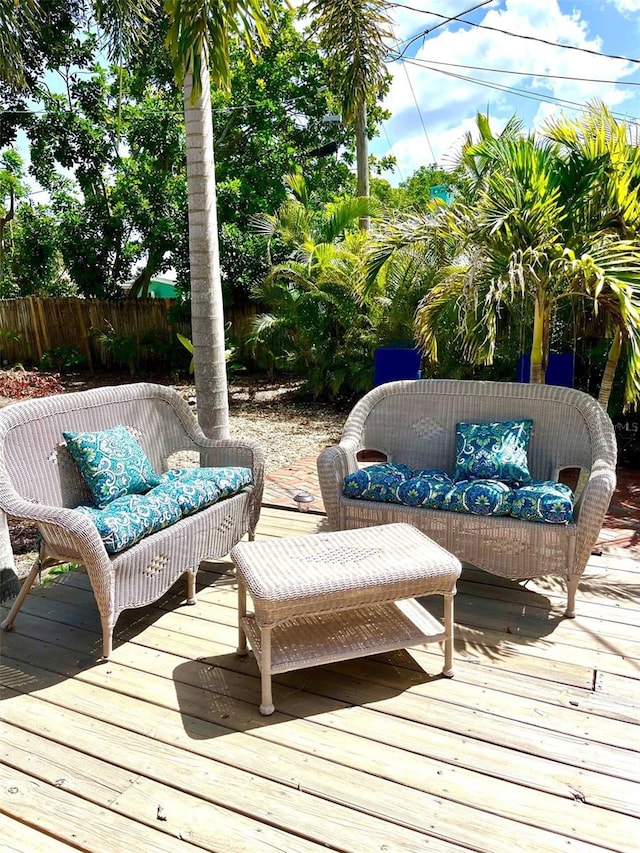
(448, 636)
(266, 706)
(242, 611)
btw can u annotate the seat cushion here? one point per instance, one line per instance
(544, 501)
(425, 488)
(493, 451)
(112, 464)
(180, 492)
(478, 497)
(229, 480)
(377, 482)
(127, 519)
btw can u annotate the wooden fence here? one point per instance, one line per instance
(32, 326)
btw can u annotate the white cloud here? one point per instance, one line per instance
(448, 104)
(624, 6)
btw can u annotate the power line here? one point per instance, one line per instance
(417, 61)
(415, 100)
(520, 93)
(383, 124)
(447, 19)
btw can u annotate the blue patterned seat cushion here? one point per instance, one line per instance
(377, 482)
(180, 492)
(493, 451)
(112, 464)
(478, 497)
(229, 480)
(425, 488)
(544, 501)
(127, 519)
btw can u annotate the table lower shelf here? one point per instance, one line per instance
(330, 637)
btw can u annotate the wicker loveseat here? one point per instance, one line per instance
(414, 423)
(39, 482)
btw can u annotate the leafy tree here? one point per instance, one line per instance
(12, 187)
(36, 260)
(353, 34)
(418, 185)
(122, 198)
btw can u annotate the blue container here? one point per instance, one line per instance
(391, 363)
(560, 370)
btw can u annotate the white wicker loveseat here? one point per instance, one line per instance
(39, 482)
(414, 423)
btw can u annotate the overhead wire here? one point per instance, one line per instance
(415, 100)
(415, 60)
(574, 105)
(448, 19)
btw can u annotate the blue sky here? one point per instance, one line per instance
(432, 110)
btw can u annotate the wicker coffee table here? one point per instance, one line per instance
(334, 596)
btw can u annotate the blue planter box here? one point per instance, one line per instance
(391, 363)
(560, 370)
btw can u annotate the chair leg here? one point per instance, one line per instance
(107, 636)
(572, 588)
(266, 705)
(448, 636)
(191, 588)
(29, 581)
(242, 612)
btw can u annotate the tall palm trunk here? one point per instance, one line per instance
(608, 376)
(537, 345)
(207, 316)
(362, 159)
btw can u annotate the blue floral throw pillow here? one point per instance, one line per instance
(493, 451)
(112, 464)
(377, 482)
(544, 501)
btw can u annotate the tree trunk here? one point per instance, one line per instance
(537, 349)
(4, 221)
(207, 316)
(362, 159)
(610, 370)
(140, 285)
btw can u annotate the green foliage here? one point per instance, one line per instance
(354, 37)
(37, 266)
(318, 326)
(541, 230)
(123, 347)
(110, 151)
(186, 343)
(62, 359)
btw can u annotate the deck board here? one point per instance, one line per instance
(534, 745)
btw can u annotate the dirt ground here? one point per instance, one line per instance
(288, 427)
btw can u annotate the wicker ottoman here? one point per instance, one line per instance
(334, 596)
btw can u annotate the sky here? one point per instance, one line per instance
(433, 107)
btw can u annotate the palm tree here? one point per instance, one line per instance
(352, 35)
(530, 234)
(317, 325)
(198, 40)
(599, 143)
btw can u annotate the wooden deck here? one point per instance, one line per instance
(533, 746)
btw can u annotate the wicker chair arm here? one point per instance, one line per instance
(71, 525)
(334, 464)
(591, 509)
